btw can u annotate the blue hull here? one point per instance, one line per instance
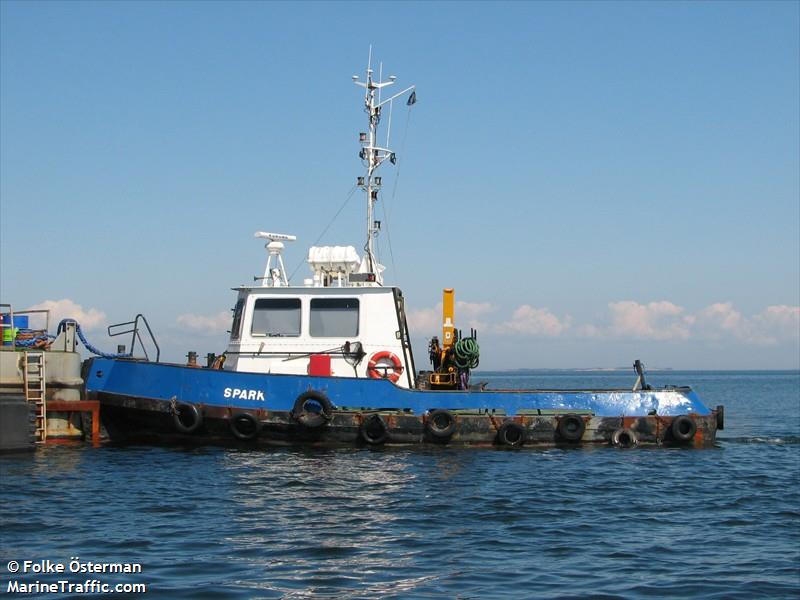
(143, 401)
(256, 391)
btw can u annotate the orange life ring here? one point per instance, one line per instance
(383, 373)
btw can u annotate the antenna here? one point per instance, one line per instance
(276, 236)
(274, 277)
(374, 155)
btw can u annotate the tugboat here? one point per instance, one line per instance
(330, 362)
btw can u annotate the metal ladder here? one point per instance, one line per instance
(34, 382)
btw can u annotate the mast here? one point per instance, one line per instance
(374, 155)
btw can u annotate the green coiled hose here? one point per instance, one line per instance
(467, 353)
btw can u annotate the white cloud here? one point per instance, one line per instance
(424, 321)
(428, 321)
(212, 324)
(538, 322)
(91, 318)
(627, 319)
(770, 326)
(777, 323)
(657, 320)
(722, 316)
(721, 320)
(471, 313)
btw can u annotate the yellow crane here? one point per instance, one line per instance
(453, 358)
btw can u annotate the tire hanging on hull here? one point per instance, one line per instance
(373, 430)
(624, 438)
(683, 429)
(441, 424)
(312, 409)
(511, 434)
(181, 409)
(244, 426)
(570, 428)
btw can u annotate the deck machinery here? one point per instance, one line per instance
(455, 356)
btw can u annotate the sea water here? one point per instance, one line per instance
(431, 522)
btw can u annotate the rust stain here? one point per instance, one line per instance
(406, 428)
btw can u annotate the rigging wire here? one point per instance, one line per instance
(328, 226)
(386, 213)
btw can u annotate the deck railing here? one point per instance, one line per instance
(133, 328)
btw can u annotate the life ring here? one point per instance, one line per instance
(511, 434)
(190, 411)
(571, 428)
(441, 423)
(624, 438)
(374, 430)
(244, 426)
(382, 372)
(683, 429)
(312, 409)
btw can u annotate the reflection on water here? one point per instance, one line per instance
(433, 522)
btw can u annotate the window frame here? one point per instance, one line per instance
(335, 299)
(238, 319)
(287, 300)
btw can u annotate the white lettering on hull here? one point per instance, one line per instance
(243, 394)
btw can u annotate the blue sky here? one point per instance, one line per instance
(598, 181)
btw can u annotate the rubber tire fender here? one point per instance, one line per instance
(511, 434)
(683, 429)
(720, 417)
(624, 438)
(312, 420)
(250, 431)
(435, 418)
(571, 428)
(197, 417)
(368, 428)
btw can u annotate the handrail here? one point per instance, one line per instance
(28, 311)
(136, 335)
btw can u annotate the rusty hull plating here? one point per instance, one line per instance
(138, 419)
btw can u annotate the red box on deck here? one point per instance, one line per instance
(319, 364)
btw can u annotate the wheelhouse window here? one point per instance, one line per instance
(334, 317)
(276, 317)
(236, 328)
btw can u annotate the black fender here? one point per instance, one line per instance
(186, 417)
(683, 429)
(511, 434)
(244, 426)
(571, 428)
(624, 438)
(312, 418)
(441, 424)
(373, 429)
